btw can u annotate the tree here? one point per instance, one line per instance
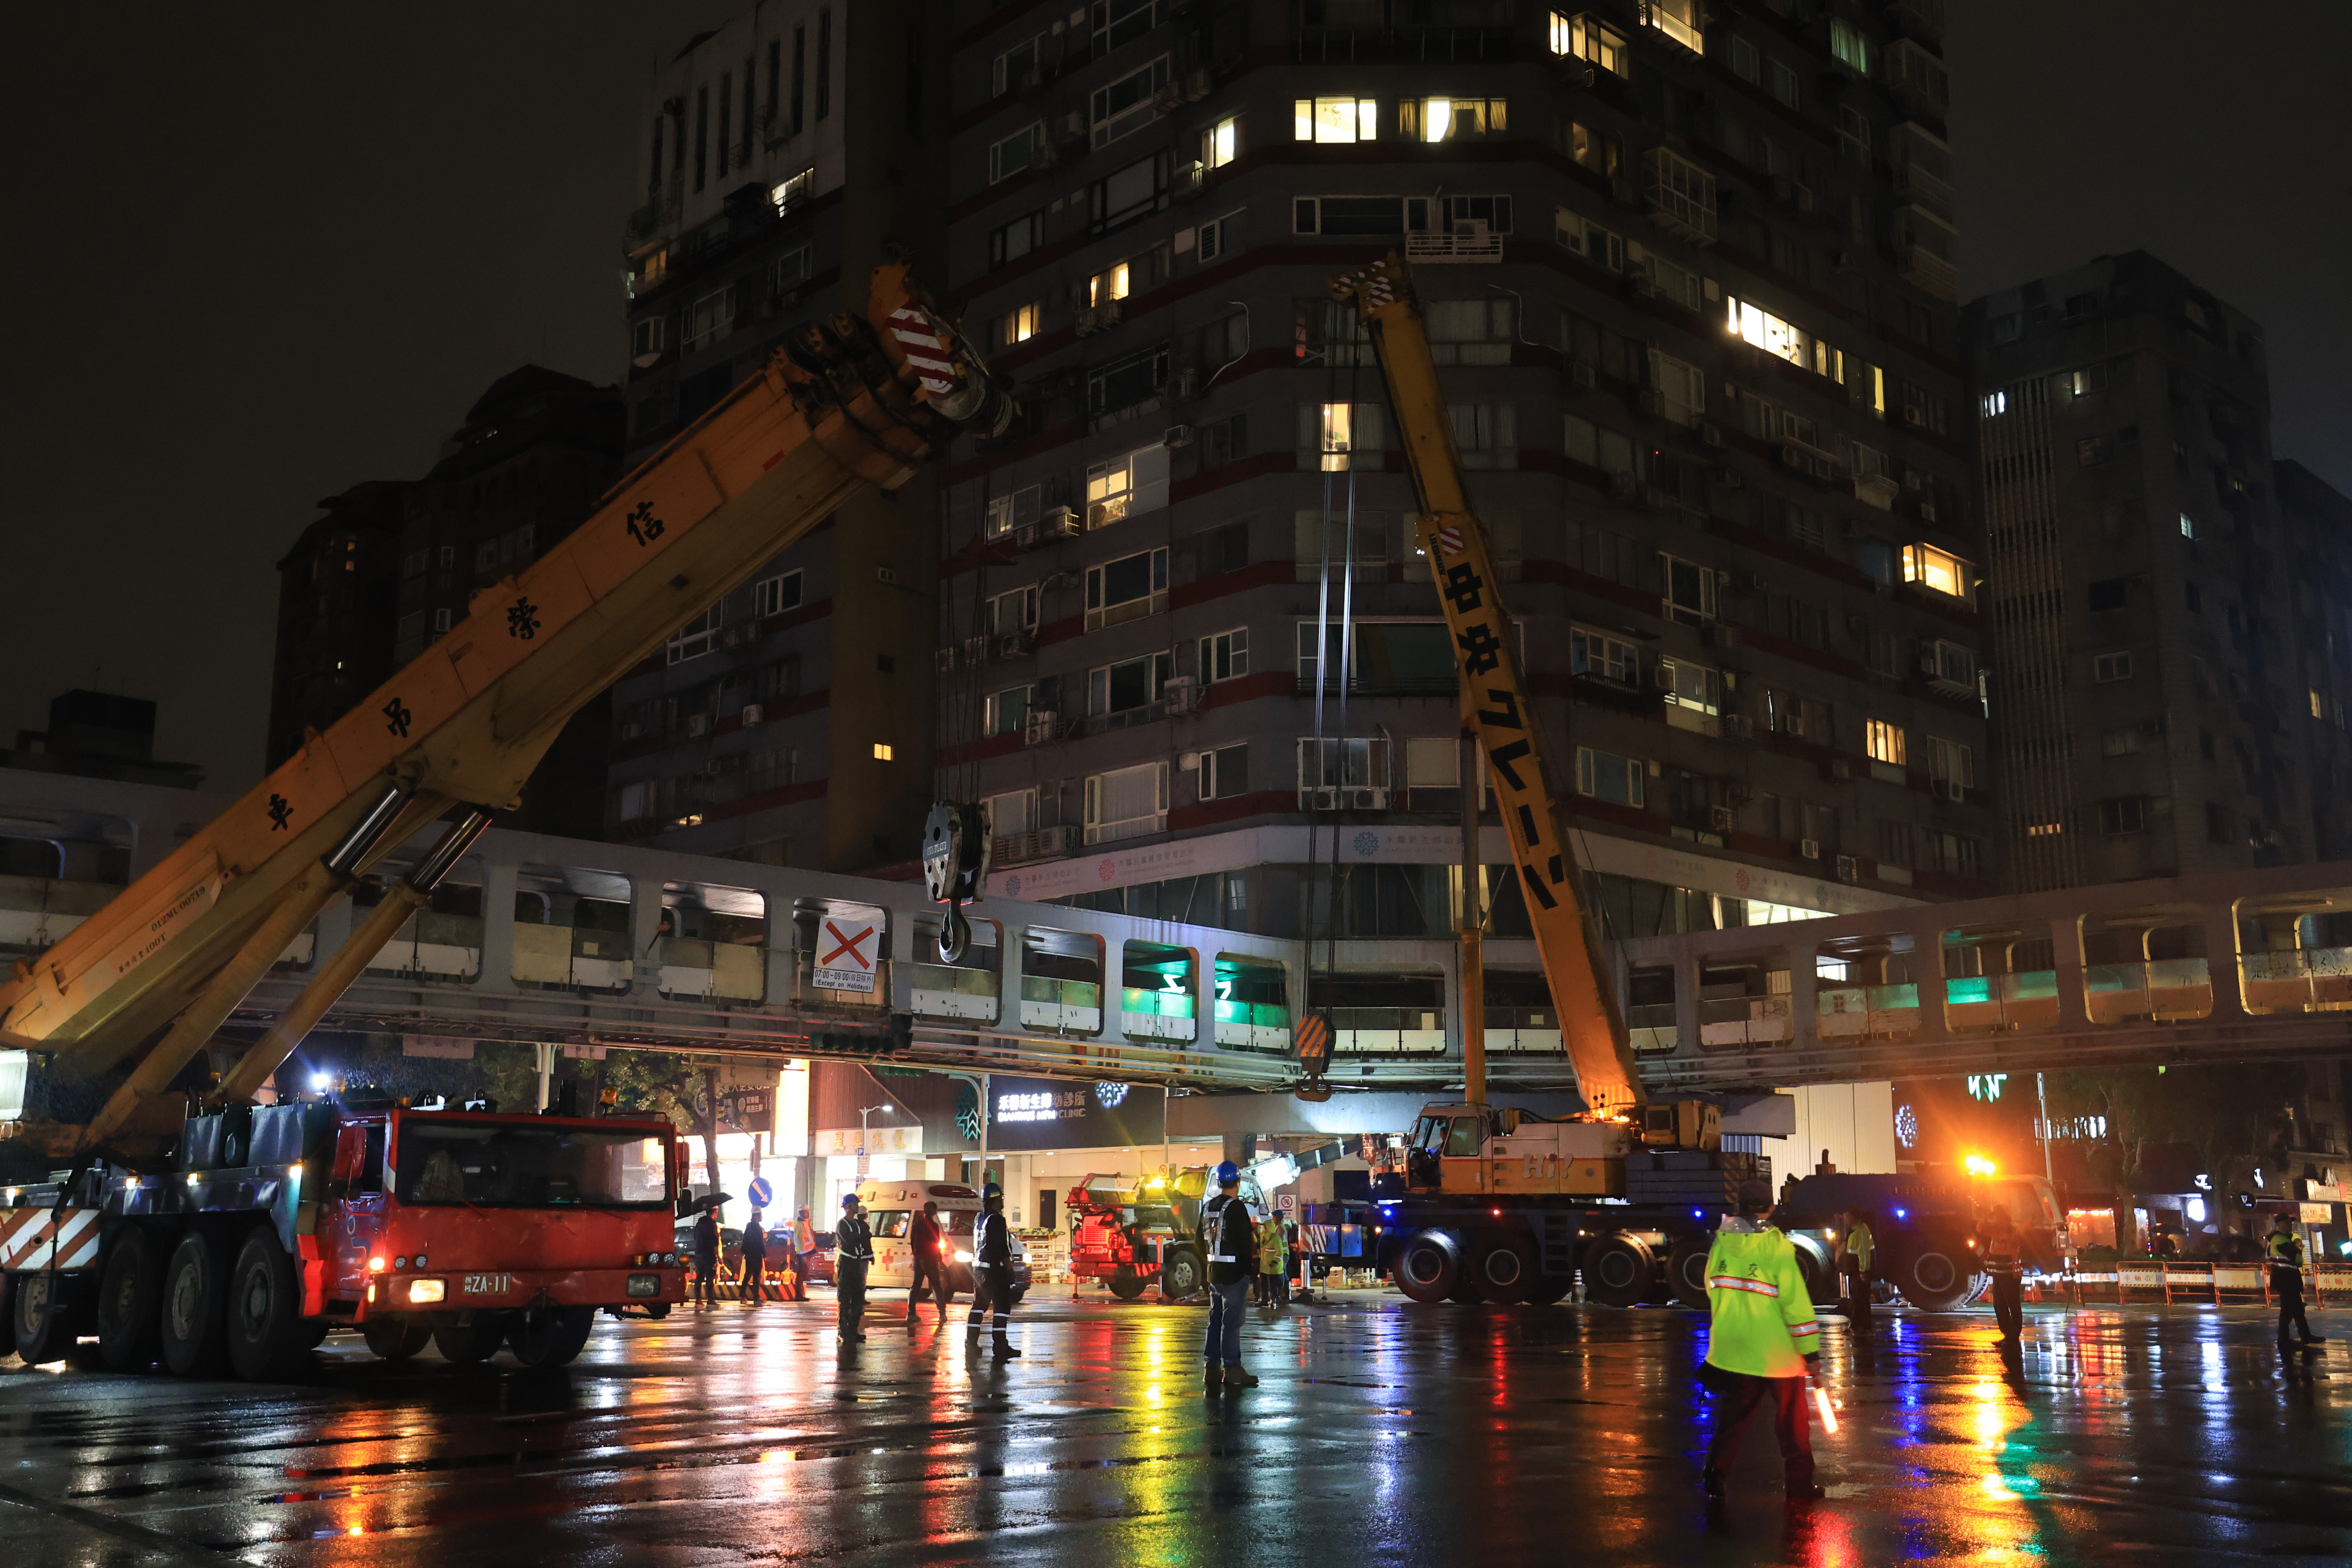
(673, 1087)
(2235, 1119)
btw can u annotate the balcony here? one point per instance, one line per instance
(1681, 197)
(1929, 273)
(1099, 318)
(1923, 169)
(1471, 241)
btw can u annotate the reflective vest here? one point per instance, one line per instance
(1762, 1314)
(2286, 1250)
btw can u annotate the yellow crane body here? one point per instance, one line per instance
(1496, 708)
(855, 402)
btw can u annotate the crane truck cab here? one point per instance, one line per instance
(1131, 1234)
(1474, 1148)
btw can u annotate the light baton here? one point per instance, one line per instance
(1822, 1404)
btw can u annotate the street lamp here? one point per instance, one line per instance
(863, 1112)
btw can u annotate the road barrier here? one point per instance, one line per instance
(2185, 1284)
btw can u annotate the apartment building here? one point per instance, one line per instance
(785, 156)
(1688, 273)
(2169, 620)
(338, 592)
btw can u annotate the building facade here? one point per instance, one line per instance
(786, 155)
(2169, 630)
(338, 588)
(1689, 280)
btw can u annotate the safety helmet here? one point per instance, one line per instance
(849, 1200)
(1228, 1174)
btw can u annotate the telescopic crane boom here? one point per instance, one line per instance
(848, 402)
(1495, 702)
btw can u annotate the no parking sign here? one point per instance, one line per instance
(849, 948)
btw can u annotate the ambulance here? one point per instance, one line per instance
(891, 1208)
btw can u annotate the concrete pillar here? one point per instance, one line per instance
(644, 932)
(1804, 998)
(2066, 958)
(498, 885)
(2222, 962)
(1928, 971)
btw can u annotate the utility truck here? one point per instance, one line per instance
(1132, 1235)
(183, 1210)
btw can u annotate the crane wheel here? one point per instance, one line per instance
(1934, 1280)
(196, 1308)
(265, 1327)
(1125, 1284)
(477, 1340)
(551, 1336)
(1686, 1269)
(1429, 1268)
(40, 1333)
(1504, 1271)
(1549, 1289)
(1617, 1272)
(131, 1301)
(396, 1339)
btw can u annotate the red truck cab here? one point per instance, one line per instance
(474, 1229)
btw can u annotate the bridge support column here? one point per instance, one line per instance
(2221, 963)
(498, 885)
(1804, 998)
(1927, 974)
(2066, 958)
(644, 935)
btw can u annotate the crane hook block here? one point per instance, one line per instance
(955, 867)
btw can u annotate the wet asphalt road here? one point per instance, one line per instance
(1383, 1433)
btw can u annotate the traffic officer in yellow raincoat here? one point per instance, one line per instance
(1762, 1340)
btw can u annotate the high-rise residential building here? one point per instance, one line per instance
(394, 563)
(1688, 274)
(784, 157)
(2168, 608)
(338, 590)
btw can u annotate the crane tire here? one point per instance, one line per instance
(1429, 1268)
(1504, 1269)
(1686, 1269)
(1617, 1270)
(196, 1308)
(131, 1301)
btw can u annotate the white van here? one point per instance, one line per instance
(891, 1208)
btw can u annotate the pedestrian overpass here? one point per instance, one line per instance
(574, 943)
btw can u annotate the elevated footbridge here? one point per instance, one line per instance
(2253, 965)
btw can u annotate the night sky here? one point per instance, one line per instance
(260, 254)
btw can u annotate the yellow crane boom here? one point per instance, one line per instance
(853, 402)
(1496, 704)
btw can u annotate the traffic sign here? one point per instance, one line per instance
(1286, 1200)
(849, 948)
(761, 1192)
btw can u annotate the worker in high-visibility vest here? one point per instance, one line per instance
(1856, 1252)
(2285, 1251)
(1762, 1340)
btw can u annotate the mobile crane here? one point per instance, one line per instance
(1498, 1202)
(201, 1223)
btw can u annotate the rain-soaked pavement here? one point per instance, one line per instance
(1383, 1433)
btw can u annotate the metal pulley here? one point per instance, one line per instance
(955, 869)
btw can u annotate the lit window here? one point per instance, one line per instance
(1884, 741)
(1127, 487)
(1750, 323)
(1451, 118)
(2044, 829)
(1945, 573)
(1015, 326)
(1848, 45)
(1588, 38)
(1993, 405)
(1694, 686)
(1335, 431)
(1335, 118)
(1220, 143)
(1678, 20)
(1112, 283)
(2188, 527)
(790, 193)
(882, 752)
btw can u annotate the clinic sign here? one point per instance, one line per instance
(1066, 1113)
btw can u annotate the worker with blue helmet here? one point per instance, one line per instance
(1229, 1241)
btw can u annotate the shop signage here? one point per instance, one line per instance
(749, 1109)
(1063, 1114)
(891, 1142)
(2318, 1214)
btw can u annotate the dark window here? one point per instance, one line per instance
(2217, 821)
(1129, 194)
(886, 663)
(2196, 599)
(2126, 814)
(751, 96)
(1125, 382)
(824, 63)
(660, 122)
(1359, 214)
(702, 134)
(1225, 550)
(2112, 593)
(800, 76)
(725, 114)
(1223, 441)
(1016, 238)
(775, 79)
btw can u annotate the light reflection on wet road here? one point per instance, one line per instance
(1381, 1434)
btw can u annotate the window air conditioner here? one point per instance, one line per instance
(752, 714)
(974, 649)
(1926, 512)
(1951, 789)
(1809, 848)
(1042, 722)
(1181, 694)
(1366, 799)
(1189, 763)
(1012, 645)
(1176, 436)
(1583, 374)
(1059, 523)
(1324, 799)
(1722, 819)
(698, 725)
(1849, 869)
(1661, 676)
